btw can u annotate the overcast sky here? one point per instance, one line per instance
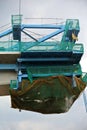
(76, 118)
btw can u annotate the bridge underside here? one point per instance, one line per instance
(5, 77)
(7, 70)
(9, 57)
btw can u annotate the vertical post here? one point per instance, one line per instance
(16, 27)
(85, 100)
(73, 81)
(19, 79)
(19, 7)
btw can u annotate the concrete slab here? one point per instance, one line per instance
(5, 78)
(9, 57)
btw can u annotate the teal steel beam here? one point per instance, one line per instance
(5, 33)
(8, 67)
(44, 59)
(30, 36)
(42, 26)
(51, 35)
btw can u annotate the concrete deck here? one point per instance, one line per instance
(9, 57)
(5, 78)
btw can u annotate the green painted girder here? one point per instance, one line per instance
(45, 71)
(45, 46)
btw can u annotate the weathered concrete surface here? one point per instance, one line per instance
(9, 57)
(5, 78)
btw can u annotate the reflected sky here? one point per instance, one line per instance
(76, 118)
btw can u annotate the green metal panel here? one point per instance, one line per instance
(16, 19)
(30, 76)
(44, 72)
(35, 46)
(13, 84)
(84, 77)
(54, 70)
(72, 24)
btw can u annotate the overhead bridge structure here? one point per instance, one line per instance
(49, 72)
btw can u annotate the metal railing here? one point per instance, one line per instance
(36, 46)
